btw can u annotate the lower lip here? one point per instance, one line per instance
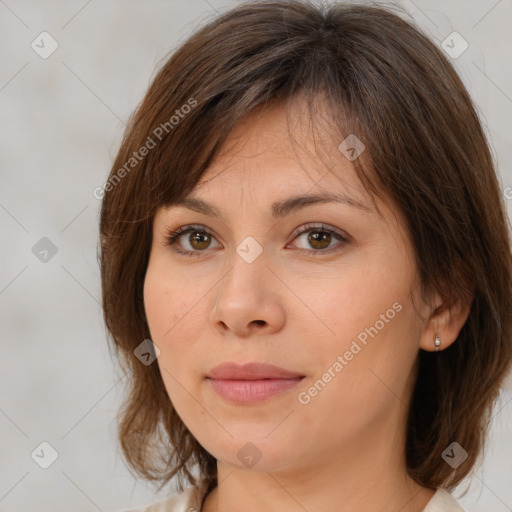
(252, 391)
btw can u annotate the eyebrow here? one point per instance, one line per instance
(278, 209)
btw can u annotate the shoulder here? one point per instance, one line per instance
(189, 500)
(443, 501)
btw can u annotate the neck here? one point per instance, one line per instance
(368, 473)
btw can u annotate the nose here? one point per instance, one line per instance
(248, 300)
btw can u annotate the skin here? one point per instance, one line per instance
(344, 449)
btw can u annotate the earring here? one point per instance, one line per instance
(437, 343)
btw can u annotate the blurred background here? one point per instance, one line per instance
(71, 74)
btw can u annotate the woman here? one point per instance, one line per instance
(306, 267)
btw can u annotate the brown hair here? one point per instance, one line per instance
(388, 84)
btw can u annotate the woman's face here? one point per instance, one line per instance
(333, 305)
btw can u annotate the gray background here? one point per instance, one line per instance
(62, 122)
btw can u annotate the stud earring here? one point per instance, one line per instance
(437, 343)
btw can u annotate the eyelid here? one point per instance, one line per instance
(321, 227)
(173, 236)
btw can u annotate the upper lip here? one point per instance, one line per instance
(250, 371)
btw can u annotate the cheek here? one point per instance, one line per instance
(155, 304)
(165, 314)
(173, 311)
(163, 302)
(356, 298)
(370, 322)
(358, 384)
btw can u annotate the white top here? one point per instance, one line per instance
(191, 500)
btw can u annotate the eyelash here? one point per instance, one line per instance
(173, 237)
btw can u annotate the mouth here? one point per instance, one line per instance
(251, 371)
(251, 382)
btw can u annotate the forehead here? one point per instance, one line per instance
(274, 151)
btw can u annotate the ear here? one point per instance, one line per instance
(446, 322)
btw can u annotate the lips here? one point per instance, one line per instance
(251, 383)
(251, 371)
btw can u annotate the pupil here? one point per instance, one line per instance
(198, 237)
(319, 236)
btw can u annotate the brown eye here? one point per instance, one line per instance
(199, 240)
(319, 239)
